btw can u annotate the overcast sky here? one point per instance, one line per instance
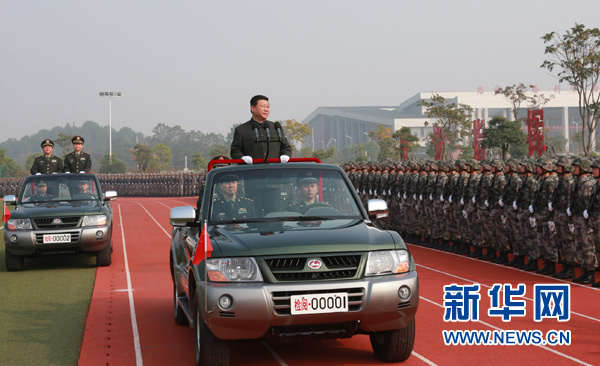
(197, 63)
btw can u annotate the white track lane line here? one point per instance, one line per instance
(134, 327)
(152, 217)
(483, 285)
(500, 329)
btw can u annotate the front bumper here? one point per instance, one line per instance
(30, 242)
(260, 310)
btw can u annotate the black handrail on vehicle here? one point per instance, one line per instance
(261, 161)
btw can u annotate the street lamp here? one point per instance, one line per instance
(366, 134)
(312, 130)
(322, 144)
(110, 95)
(350, 137)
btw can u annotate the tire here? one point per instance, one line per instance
(180, 317)
(104, 257)
(394, 345)
(210, 350)
(13, 262)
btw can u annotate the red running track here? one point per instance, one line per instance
(131, 322)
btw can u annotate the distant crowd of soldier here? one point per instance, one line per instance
(535, 209)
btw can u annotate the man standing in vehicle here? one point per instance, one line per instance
(78, 161)
(259, 138)
(47, 163)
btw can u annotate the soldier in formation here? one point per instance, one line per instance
(532, 214)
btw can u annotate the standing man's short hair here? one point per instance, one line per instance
(256, 98)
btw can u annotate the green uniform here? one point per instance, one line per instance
(240, 208)
(75, 163)
(47, 165)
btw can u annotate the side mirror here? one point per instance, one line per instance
(110, 195)
(377, 209)
(181, 216)
(10, 198)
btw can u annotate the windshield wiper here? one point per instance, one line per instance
(311, 218)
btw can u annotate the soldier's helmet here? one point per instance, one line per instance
(459, 164)
(485, 164)
(528, 164)
(595, 163)
(513, 164)
(498, 164)
(583, 164)
(547, 165)
(434, 165)
(474, 164)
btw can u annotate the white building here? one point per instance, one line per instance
(346, 126)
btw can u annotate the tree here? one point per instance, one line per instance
(454, 120)
(296, 132)
(502, 133)
(324, 155)
(29, 161)
(219, 150)
(198, 161)
(64, 141)
(117, 166)
(142, 154)
(576, 58)
(9, 167)
(405, 139)
(387, 144)
(517, 94)
(164, 156)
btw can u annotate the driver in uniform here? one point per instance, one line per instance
(84, 190)
(42, 193)
(228, 205)
(307, 190)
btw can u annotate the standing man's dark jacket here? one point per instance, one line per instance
(76, 164)
(244, 141)
(47, 165)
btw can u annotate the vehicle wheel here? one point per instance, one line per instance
(394, 345)
(104, 257)
(13, 262)
(209, 349)
(180, 317)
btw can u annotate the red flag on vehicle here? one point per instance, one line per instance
(204, 247)
(5, 213)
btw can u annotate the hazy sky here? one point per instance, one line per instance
(197, 63)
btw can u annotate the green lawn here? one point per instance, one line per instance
(43, 309)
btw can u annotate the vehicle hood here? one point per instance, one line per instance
(357, 237)
(60, 209)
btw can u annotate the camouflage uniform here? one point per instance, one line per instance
(513, 184)
(524, 198)
(564, 237)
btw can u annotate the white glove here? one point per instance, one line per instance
(569, 211)
(284, 158)
(375, 193)
(551, 226)
(532, 221)
(363, 192)
(247, 159)
(38, 173)
(82, 171)
(586, 215)
(371, 192)
(462, 202)
(67, 172)
(450, 199)
(515, 205)
(571, 228)
(500, 202)
(531, 208)
(431, 197)
(473, 200)
(390, 192)
(442, 198)
(404, 196)
(464, 212)
(487, 204)
(550, 206)
(420, 197)
(398, 194)
(414, 197)
(503, 219)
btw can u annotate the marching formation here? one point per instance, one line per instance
(535, 209)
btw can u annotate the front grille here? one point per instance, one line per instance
(39, 237)
(282, 305)
(65, 222)
(293, 269)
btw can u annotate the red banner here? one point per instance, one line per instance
(478, 128)
(439, 140)
(535, 132)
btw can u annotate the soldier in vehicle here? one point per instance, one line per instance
(78, 161)
(229, 205)
(41, 193)
(307, 196)
(84, 190)
(47, 163)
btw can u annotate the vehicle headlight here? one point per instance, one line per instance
(19, 224)
(94, 220)
(387, 262)
(243, 269)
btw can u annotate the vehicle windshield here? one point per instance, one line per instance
(50, 188)
(275, 195)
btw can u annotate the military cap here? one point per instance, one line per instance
(228, 178)
(47, 142)
(77, 140)
(307, 180)
(41, 183)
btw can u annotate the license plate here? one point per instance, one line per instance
(57, 238)
(319, 303)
